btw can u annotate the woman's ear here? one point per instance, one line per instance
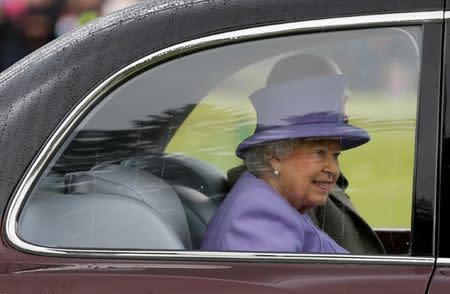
(275, 163)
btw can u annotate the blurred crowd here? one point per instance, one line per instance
(26, 25)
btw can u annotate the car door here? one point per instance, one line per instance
(139, 101)
(440, 281)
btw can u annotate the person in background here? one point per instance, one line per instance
(76, 13)
(110, 6)
(79, 12)
(27, 26)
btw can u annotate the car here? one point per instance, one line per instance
(118, 144)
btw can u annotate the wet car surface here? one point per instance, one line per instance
(154, 97)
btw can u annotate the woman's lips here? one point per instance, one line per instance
(324, 186)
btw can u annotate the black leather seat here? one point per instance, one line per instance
(199, 210)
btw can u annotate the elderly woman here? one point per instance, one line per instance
(292, 162)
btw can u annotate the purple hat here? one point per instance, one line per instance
(307, 108)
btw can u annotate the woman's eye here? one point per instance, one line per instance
(336, 155)
(320, 152)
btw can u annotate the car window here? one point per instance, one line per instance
(149, 166)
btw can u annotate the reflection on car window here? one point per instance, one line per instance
(154, 162)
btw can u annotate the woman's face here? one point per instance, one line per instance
(308, 174)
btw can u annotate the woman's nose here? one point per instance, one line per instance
(332, 164)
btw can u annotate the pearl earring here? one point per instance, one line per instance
(276, 173)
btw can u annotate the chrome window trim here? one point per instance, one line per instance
(76, 115)
(443, 261)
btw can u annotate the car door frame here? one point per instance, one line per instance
(440, 281)
(425, 168)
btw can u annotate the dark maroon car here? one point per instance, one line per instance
(118, 144)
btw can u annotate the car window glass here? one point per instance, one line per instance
(151, 163)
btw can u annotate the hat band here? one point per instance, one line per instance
(311, 118)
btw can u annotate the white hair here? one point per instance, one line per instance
(256, 158)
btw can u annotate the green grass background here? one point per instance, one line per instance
(380, 173)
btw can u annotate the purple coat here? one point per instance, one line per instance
(253, 217)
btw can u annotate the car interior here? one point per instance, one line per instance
(164, 214)
(101, 193)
